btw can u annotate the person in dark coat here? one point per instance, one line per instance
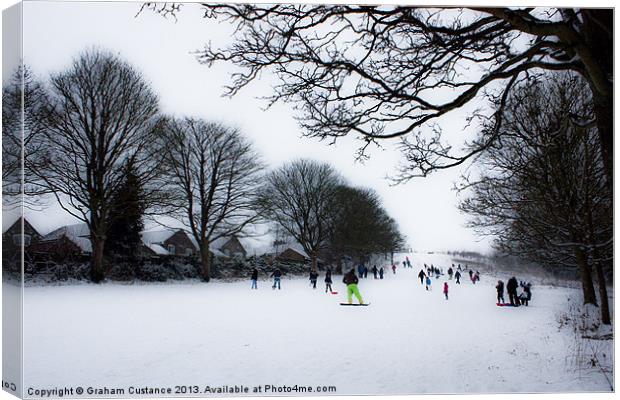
(375, 271)
(421, 275)
(254, 278)
(381, 273)
(276, 275)
(511, 288)
(500, 292)
(457, 276)
(365, 272)
(313, 278)
(450, 272)
(328, 281)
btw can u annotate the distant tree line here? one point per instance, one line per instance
(95, 139)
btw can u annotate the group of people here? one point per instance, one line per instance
(512, 286)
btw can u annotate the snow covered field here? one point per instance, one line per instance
(407, 341)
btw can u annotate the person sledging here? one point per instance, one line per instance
(328, 280)
(500, 292)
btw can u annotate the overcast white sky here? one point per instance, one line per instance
(55, 32)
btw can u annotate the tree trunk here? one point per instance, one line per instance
(602, 290)
(339, 266)
(205, 259)
(314, 260)
(96, 266)
(585, 272)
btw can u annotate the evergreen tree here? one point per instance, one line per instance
(125, 220)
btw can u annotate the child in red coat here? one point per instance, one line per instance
(445, 289)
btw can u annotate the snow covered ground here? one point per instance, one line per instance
(407, 341)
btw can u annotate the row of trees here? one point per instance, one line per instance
(94, 139)
(542, 192)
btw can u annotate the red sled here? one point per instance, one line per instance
(334, 292)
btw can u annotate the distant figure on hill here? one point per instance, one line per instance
(475, 278)
(457, 276)
(381, 273)
(428, 283)
(313, 278)
(254, 278)
(404, 264)
(351, 281)
(450, 272)
(500, 292)
(394, 268)
(408, 262)
(328, 280)
(276, 275)
(445, 289)
(421, 275)
(360, 270)
(375, 271)
(365, 272)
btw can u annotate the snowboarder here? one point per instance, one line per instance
(457, 276)
(276, 275)
(313, 278)
(328, 280)
(500, 292)
(254, 278)
(375, 271)
(421, 275)
(511, 288)
(428, 283)
(351, 281)
(394, 268)
(445, 289)
(381, 273)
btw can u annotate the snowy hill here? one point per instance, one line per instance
(408, 340)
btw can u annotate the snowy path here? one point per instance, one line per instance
(408, 341)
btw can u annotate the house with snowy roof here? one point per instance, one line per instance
(168, 242)
(70, 240)
(229, 246)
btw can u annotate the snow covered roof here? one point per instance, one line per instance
(77, 233)
(157, 249)
(297, 248)
(157, 236)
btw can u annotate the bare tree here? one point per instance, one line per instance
(216, 175)
(100, 114)
(299, 197)
(543, 186)
(383, 72)
(23, 101)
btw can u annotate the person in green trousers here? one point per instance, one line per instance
(351, 281)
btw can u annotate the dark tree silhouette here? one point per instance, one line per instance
(361, 226)
(99, 115)
(215, 174)
(384, 72)
(542, 191)
(125, 220)
(299, 197)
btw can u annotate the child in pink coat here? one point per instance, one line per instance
(445, 289)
